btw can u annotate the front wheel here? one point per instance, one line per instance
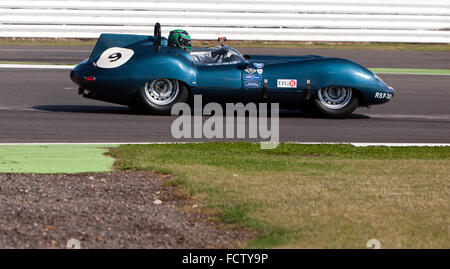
(159, 95)
(336, 102)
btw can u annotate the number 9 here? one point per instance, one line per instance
(114, 57)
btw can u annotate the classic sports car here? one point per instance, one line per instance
(143, 72)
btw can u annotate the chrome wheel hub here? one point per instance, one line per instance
(161, 91)
(334, 97)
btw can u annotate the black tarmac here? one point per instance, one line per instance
(43, 105)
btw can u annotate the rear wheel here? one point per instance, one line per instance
(159, 95)
(336, 101)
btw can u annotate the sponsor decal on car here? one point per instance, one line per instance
(114, 57)
(286, 83)
(250, 70)
(252, 77)
(258, 65)
(259, 71)
(252, 84)
(383, 95)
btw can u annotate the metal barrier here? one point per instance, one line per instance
(284, 20)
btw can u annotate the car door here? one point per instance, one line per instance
(286, 83)
(272, 83)
(224, 83)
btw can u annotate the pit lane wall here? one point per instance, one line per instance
(415, 21)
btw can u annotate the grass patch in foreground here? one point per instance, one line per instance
(313, 196)
(245, 44)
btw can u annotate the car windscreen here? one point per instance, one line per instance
(216, 56)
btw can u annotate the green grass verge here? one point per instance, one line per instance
(411, 71)
(313, 196)
(332, 45)
(401, 71)
(247, 44)
(55, 159)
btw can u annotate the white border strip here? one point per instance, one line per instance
(356, 144)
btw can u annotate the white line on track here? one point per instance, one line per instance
(42, 50)
(356, 144)
(421, 74)
(360, 144)
(409, 117)
(36, 66)
(5, 108)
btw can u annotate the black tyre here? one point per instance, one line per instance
(159, 95)
(336, 101)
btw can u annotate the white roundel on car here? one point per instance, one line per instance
(114, 57)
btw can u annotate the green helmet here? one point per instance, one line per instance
(181, 39)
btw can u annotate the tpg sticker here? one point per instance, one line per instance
(286, 83)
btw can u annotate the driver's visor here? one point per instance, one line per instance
(184, 41)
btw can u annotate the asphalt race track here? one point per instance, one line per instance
(39, 105)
